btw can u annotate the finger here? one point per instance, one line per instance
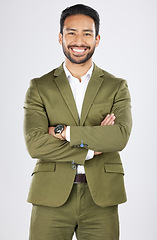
(97, 153)
(111, 120)
(104, 122)
(108, 120)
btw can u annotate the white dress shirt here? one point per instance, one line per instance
(79, 89)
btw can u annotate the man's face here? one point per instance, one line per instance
(78, 39)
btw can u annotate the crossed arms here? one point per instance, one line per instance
(43, 145)
(109, 120)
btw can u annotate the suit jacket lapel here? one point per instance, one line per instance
(91, 92)
(65, 89)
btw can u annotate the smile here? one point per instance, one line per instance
(78, 50)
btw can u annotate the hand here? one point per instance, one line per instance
(61, 136)
(109, 120)
(51, 131)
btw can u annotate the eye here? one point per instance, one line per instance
(87, 34)
(71, 33)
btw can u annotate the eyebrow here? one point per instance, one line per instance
(73, 29)
(70, 29)
(87, 30)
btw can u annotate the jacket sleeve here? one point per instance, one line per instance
(108, 138)
(39, 143)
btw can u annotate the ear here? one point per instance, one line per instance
(60, 38)
(97, 40)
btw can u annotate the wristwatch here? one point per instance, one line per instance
(58, 130)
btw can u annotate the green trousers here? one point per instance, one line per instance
(79, 214)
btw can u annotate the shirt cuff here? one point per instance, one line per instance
(68, 133)
(90, 154)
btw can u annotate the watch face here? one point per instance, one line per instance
(59, 129)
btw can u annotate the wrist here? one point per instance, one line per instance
(60, 132)
(63, 133)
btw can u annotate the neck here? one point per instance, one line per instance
(78, 70)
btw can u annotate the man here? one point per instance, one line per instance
(77, 119)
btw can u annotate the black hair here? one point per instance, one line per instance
(80, 9)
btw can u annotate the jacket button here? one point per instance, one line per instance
(74, 167)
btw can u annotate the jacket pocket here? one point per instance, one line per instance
(102, 105)
(114, 168)
(44, 167)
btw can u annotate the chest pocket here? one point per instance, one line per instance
(98, 112)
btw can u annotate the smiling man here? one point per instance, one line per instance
(77, 119)
(79, 43)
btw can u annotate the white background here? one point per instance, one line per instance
(29, 48)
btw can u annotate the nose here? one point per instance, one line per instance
(79, 39)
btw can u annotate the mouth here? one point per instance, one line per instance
(79, 51)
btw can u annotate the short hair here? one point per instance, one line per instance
(80, 9)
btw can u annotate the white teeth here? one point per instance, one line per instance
(78, 50)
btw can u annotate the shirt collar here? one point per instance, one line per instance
(68, 73)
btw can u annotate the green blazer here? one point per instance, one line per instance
(49, 102)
